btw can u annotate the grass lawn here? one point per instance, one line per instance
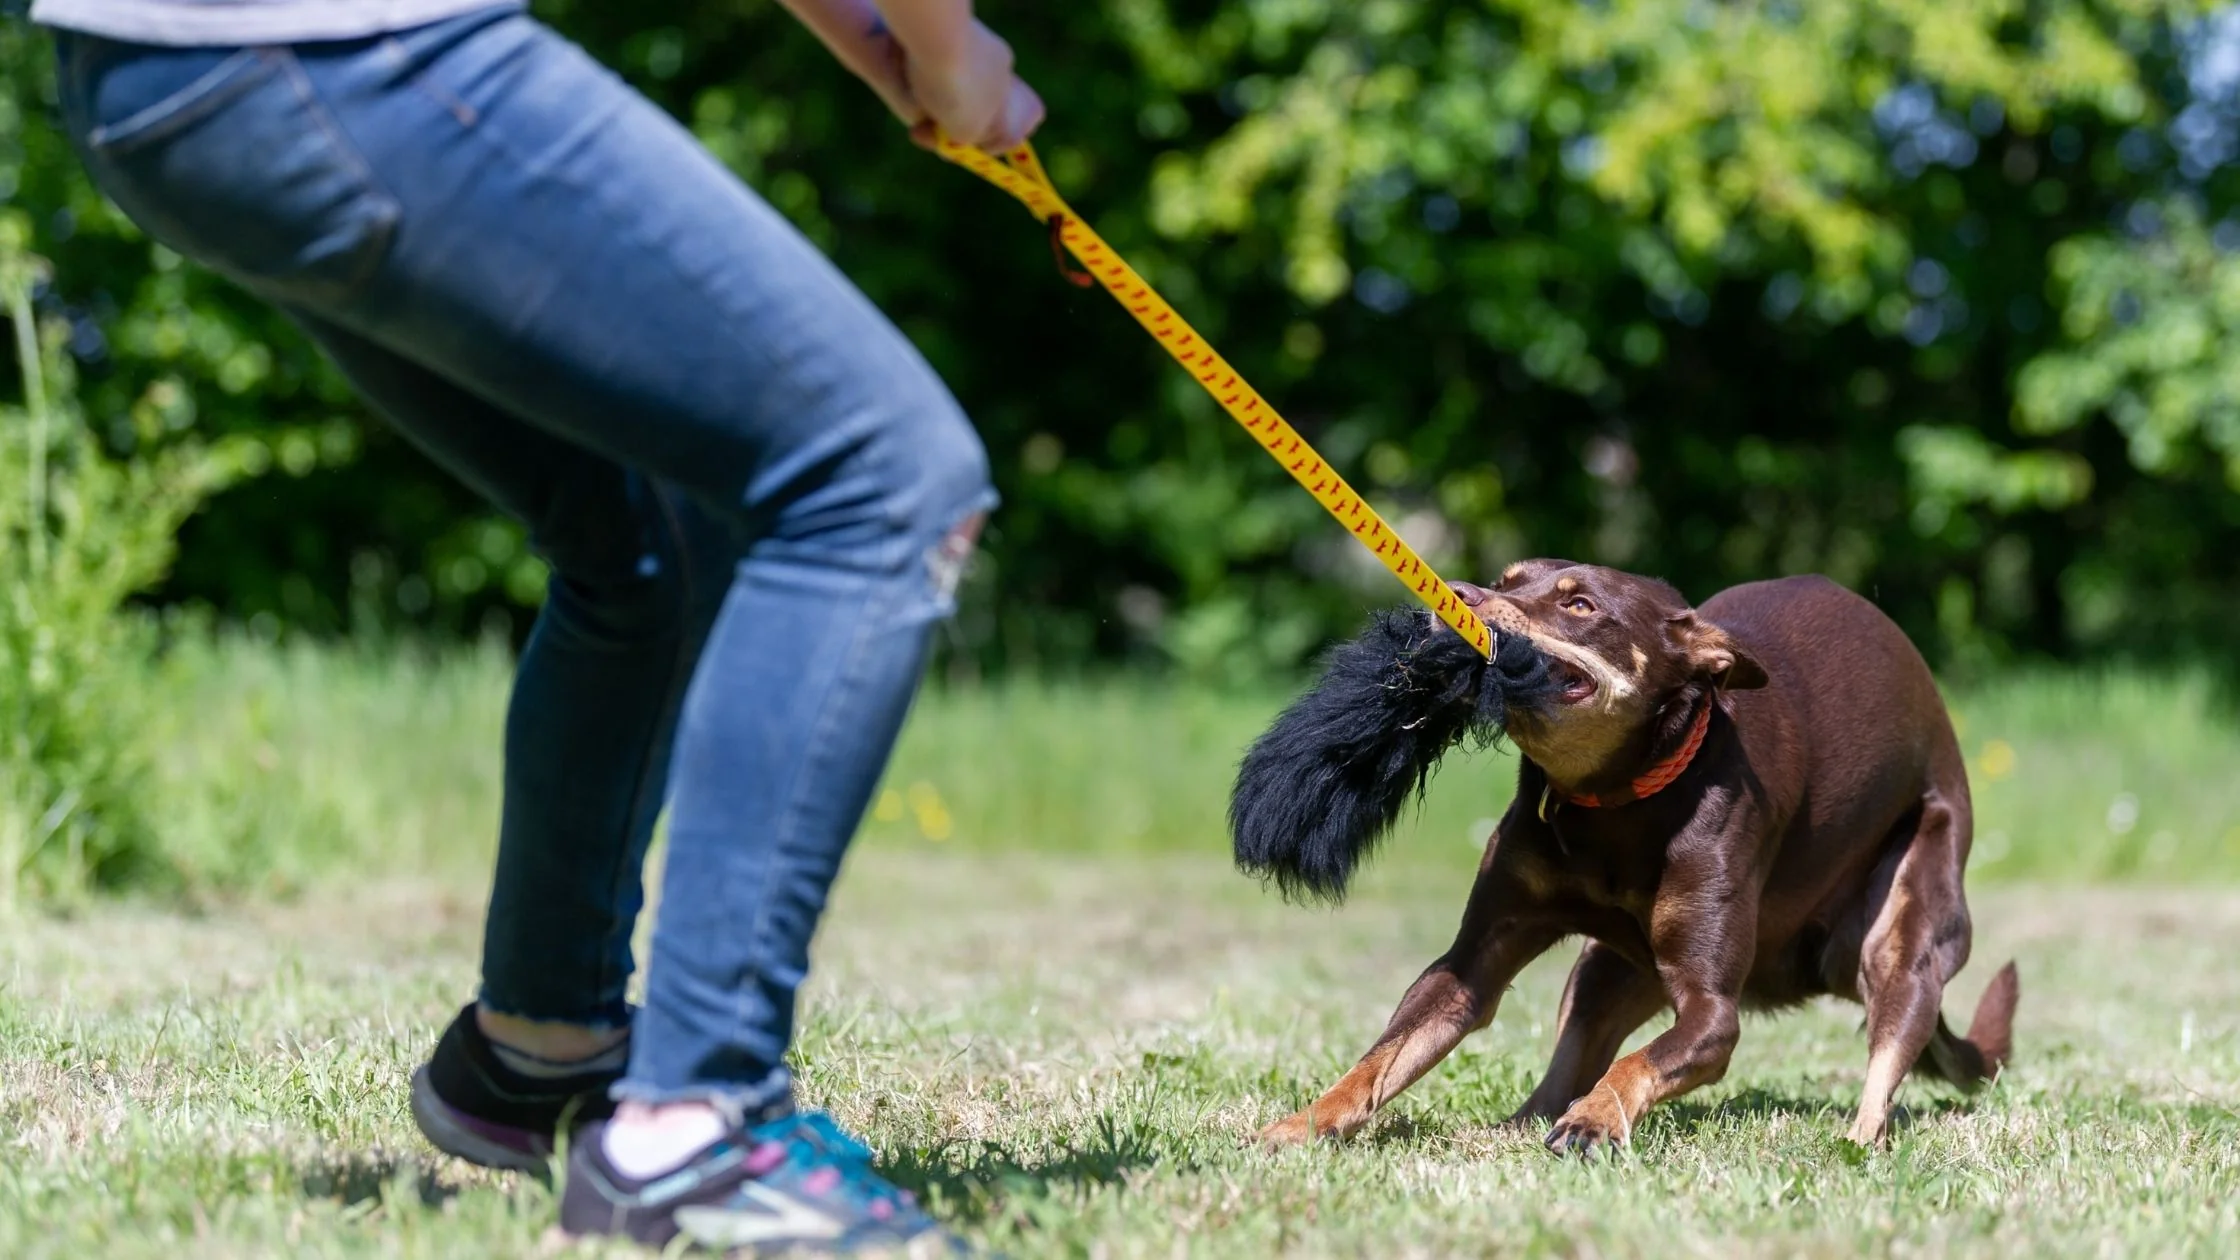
(1052, 1007)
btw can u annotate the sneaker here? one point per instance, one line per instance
(470, 1105)
(793, 1185)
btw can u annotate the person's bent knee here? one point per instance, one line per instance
(898, 510)
(950, 505)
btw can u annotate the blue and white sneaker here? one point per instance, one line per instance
(795, 1185)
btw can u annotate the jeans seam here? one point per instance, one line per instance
(467, 116)
(384, 226)
(788, 824)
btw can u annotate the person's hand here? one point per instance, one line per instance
(880, 63)
(859, 39)
(972, 94)
(932, 63)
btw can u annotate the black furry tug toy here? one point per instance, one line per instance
(1322, 786)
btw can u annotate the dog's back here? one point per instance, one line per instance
(1871, 707)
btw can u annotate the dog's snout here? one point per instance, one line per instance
(1471, 595)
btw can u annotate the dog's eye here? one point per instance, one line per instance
(1579, 604)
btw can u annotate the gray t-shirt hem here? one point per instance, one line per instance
(229, 23)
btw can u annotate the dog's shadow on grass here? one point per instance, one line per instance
(1752, 1104)
(1680, 1118)
(376, 1177)
(1764, 1105)
(970, 1181)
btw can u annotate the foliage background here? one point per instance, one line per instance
(1937, 298)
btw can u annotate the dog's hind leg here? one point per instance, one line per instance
(1606, 998)
(1916, 940)
(1453, 998)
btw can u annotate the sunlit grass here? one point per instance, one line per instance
(1065, 1055)
(1056, 1010)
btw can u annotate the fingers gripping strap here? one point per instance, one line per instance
(1020, 174)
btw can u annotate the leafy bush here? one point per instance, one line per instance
(1715, 291)
(81, 532)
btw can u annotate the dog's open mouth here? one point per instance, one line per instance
(1574, 685)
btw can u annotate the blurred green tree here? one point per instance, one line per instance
(1929, 297)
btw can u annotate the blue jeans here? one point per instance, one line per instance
(753, 494)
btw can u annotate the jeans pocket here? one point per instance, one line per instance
(184, 88)
(232, 159)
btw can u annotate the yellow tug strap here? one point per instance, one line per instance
(1020, 174)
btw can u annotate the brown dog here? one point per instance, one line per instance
(1740, 807)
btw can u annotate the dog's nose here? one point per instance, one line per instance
(1471, 595)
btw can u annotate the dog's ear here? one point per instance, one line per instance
(1711, 653)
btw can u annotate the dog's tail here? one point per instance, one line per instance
(1970, 1061)
(1319, 789)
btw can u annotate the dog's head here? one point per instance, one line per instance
(1629, 656)
(1592, 669)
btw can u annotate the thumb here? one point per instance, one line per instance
(1022, 113)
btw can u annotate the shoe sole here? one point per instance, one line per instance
(461, 1136)
(924, 1247)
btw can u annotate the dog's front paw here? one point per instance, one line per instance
(1296, 1129)
(1594, 1123)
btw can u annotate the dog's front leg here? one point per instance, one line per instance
(1606, 998)
(1454, 997)
(1702, 932)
